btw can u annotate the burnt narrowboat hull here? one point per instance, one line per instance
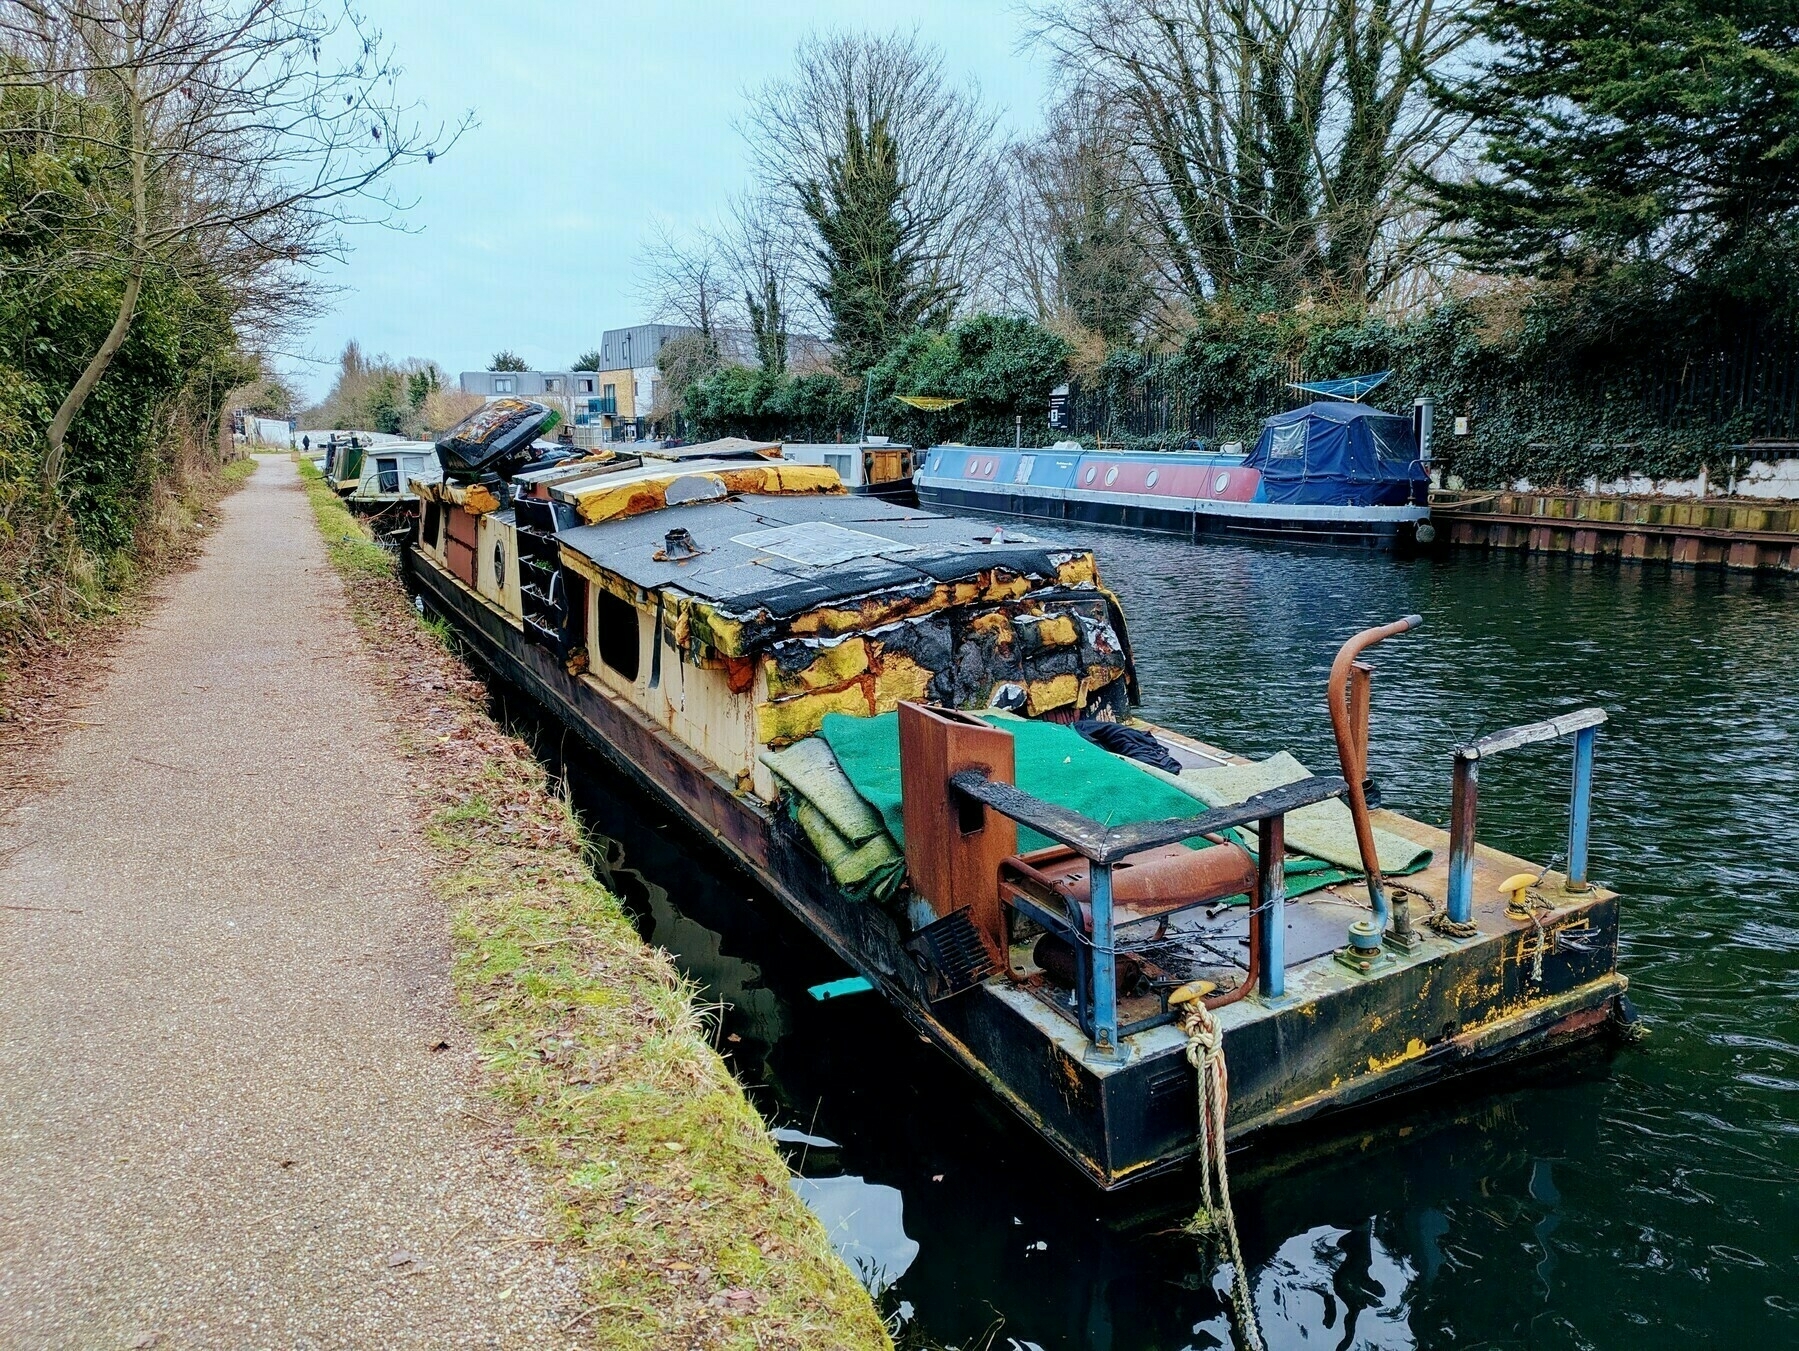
(898, 491)
(1454, 1007)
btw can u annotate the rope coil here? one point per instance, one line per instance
(1215, 1219)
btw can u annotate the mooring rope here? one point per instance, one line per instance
(1215, 1218)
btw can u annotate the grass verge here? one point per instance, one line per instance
(665, 1188)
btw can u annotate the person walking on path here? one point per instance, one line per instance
(237, 1108)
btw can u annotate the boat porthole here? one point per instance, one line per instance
(1091, 473)
(1150, 482)
(1111, 476)
(499, 565)
(1220, 483)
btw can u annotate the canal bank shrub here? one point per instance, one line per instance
(993, 367)
(665, 1190)
(145, 446)
(148, 438)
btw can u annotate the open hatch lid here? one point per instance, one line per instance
(501, 431)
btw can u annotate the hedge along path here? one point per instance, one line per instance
(666, 1190)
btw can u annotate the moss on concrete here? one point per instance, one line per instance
(665, 1187)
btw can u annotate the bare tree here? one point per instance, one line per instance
(237, 139)
(876, 98)
(1071, 243)
(1272, 141)
(683, 279)
(758, 252)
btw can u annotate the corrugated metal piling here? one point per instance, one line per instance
(1741, 534)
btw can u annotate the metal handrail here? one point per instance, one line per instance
(1099, 843)
(1103, 846)
(1583, 725)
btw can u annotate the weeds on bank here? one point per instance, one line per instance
(663, 1184)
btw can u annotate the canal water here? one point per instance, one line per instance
(1643, 1198)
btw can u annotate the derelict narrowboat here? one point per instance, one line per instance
(875, 467)
(914, 731)
(1333, 472)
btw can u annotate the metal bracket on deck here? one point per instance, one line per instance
(1583, 726)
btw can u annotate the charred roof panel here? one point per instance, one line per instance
(924, 549)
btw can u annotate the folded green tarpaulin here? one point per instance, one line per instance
(1058, 765)
(844, 829)
(809, 768)
(871, 870)
(1050, 761)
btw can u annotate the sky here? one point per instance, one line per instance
(594, 121)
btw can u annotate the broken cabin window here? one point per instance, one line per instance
(387, 476)
(430, 524)
(615, 635)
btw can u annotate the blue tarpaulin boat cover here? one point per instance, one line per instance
(1340, 453)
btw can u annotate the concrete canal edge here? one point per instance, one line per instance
(666, 1190)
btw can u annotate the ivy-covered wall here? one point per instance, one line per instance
(1556, 388)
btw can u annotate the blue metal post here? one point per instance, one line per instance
(1464, 798)
(1104, 983)
(1270, 902)
(1580, 808)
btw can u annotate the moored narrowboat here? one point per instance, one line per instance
(875, 467)
(914, 730)
(1332, 472)
(386, 474)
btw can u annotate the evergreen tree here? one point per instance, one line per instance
(877, 284)
(1101, 264)
(1661, 132)
(420, 385)
(768, 325)
(507, 360)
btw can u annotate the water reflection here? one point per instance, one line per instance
(866, 1222)
(1645, 1201)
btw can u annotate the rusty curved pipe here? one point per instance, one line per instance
(1349, 755)
(1250, 976)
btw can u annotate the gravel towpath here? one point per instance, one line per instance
(227, 1115)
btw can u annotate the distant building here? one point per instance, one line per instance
(618, 401)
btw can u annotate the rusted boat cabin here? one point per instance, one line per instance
(914, 730)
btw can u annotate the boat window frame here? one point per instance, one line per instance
(606, 640)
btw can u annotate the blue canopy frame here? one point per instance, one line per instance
(1351, 389)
